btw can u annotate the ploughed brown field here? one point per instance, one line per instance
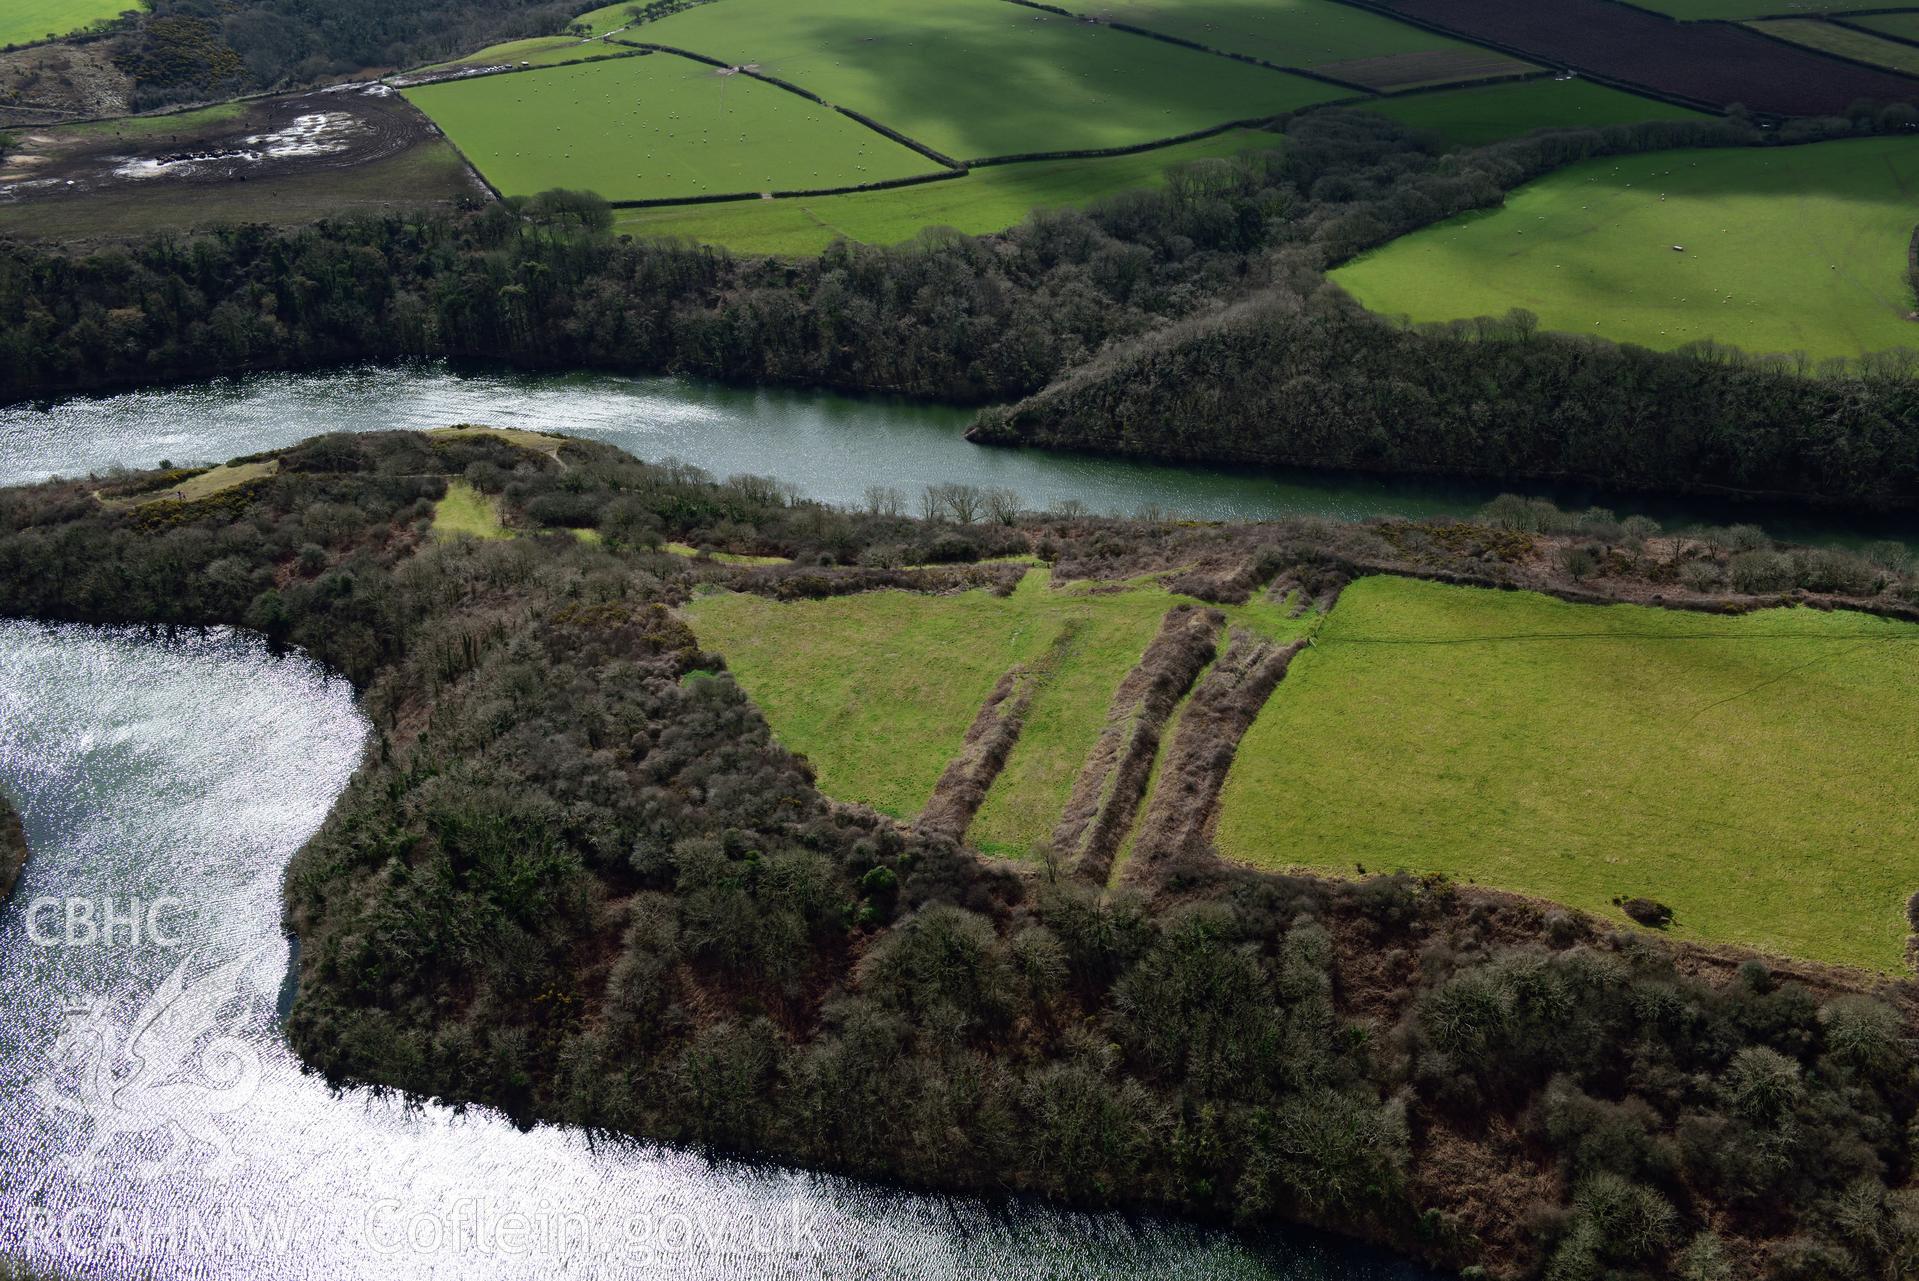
(1705, 62)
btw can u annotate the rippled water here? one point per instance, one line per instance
(190, 770)
(831, 447)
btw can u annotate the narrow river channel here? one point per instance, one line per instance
(831, 447)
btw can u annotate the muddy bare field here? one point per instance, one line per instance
(274, 137)
(280, 160)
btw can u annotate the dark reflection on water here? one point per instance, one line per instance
(187, 772)
(831, 447)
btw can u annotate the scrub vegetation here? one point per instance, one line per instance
(578, 879)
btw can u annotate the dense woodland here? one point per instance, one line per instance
(1304, 378)
(576, 878)
(1197, 319)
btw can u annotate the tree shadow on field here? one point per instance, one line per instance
(993, 80)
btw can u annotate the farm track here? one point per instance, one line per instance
(1710, 62)
(989, 741)
(1106, 796)
(1216, 718)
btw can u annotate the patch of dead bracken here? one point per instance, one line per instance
(1220, 712)
(962, 788)
(1107, 794)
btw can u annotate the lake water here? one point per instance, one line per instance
(831, 447)
(164, 784)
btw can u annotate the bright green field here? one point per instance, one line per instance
(1734, 10)
(25, 21)
(613, 17)
(1794, 248)
(1905, 25)
(1755, 774)
(541, 51)
(985, 200)
(979, 78)
(465, 510)
(144, 127)
(878, 690)
(1847, 43)
(655, 127)
(1292, 33)
(1474, 117)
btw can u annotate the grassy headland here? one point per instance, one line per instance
(578, 879)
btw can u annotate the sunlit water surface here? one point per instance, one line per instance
(156, 1125)
(831, 448)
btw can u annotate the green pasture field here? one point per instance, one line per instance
(980, 78)
(1739, 10)
(1400, 72)
(28, 21)
(1829, 37)
(465, 510)
(541, 51)
(1474, 117)
(655, 127)
(983, 201)
(143, 128)
(878, 690)
(609, 19)
(1754, 774)
(1903, 25)
(1291, 33)
(1784, 249)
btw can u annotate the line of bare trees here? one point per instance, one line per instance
(960, 504)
